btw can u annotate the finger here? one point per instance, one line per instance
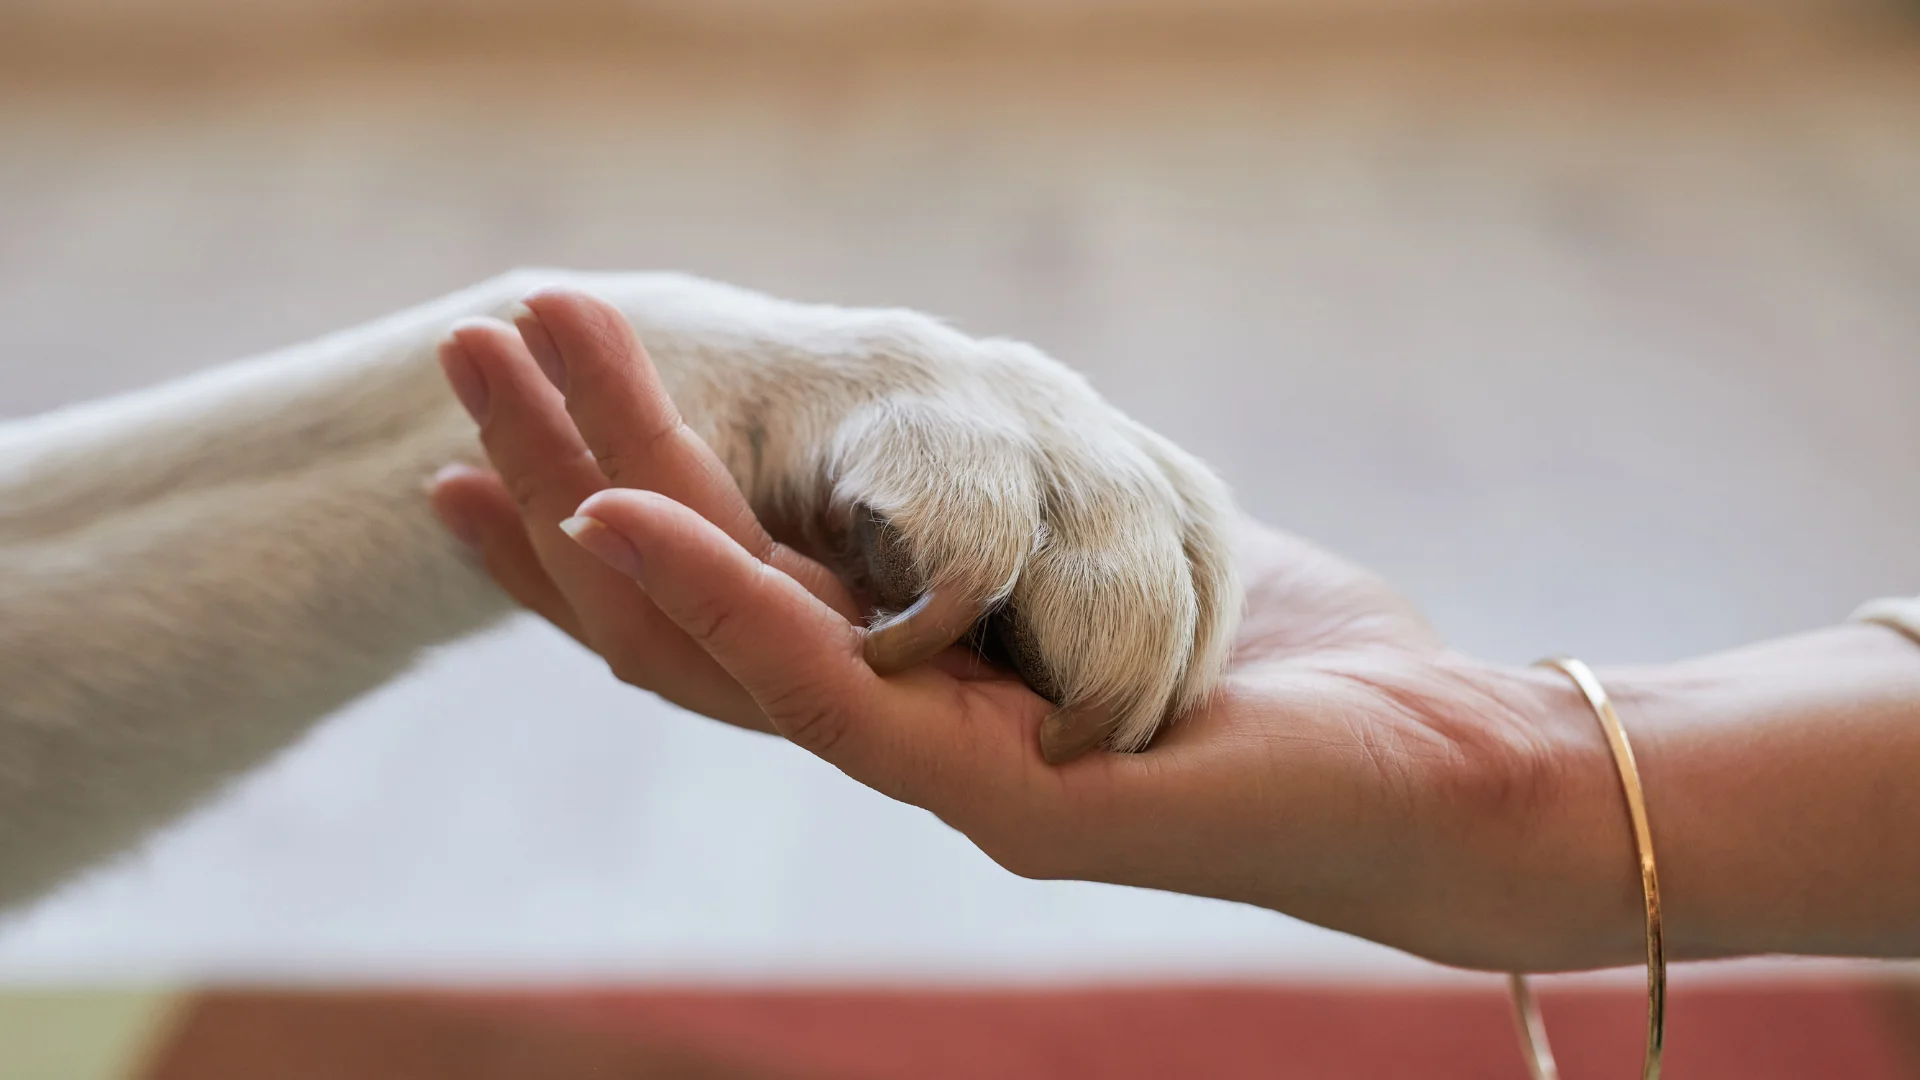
(799, 659)
(635, 432)
(475, 506)
(526, 431)
(733, 604)
(964, 751)
(532, 443)
(623, 412)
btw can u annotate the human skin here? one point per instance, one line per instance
(1350, 770)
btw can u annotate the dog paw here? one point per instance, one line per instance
(972, 489)
(1011, 506)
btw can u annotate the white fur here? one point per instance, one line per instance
(192, 575)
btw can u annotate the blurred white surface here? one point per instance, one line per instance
(1609, 347)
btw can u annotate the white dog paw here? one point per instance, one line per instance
(973, 487)
(1013, 505)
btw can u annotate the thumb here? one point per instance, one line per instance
(965, 751)
(799, 659)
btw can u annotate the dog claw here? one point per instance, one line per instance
(1069, 733)
(914, 636)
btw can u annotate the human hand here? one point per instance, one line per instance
(960, 486)
(538, 439)
(543, 470)
(1350, 770)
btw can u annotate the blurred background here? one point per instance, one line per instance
(1593, 324)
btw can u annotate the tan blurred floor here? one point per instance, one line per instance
(1603, 340)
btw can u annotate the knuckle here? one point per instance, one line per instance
(627, 456)
(525, 489)
(807, 718)
(709, 623)
(608, 458)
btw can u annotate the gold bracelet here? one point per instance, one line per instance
(1533, 1032)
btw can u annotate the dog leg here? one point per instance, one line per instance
(191, 576)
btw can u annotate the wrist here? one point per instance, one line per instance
(1577, 854)
(1534, 867)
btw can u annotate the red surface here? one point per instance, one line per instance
(1265, 1032)
(1226, 1032)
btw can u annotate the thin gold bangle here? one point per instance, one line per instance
(1533, 1031)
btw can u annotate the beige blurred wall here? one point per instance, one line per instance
(283, 18)
(801, 11)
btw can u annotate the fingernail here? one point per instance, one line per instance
(1069, 733)
(465, 378)
(604, 544)
(540, 344)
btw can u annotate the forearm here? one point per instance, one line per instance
(191, 576)
(1783, 781)
(255, 419)
(1783, 786)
